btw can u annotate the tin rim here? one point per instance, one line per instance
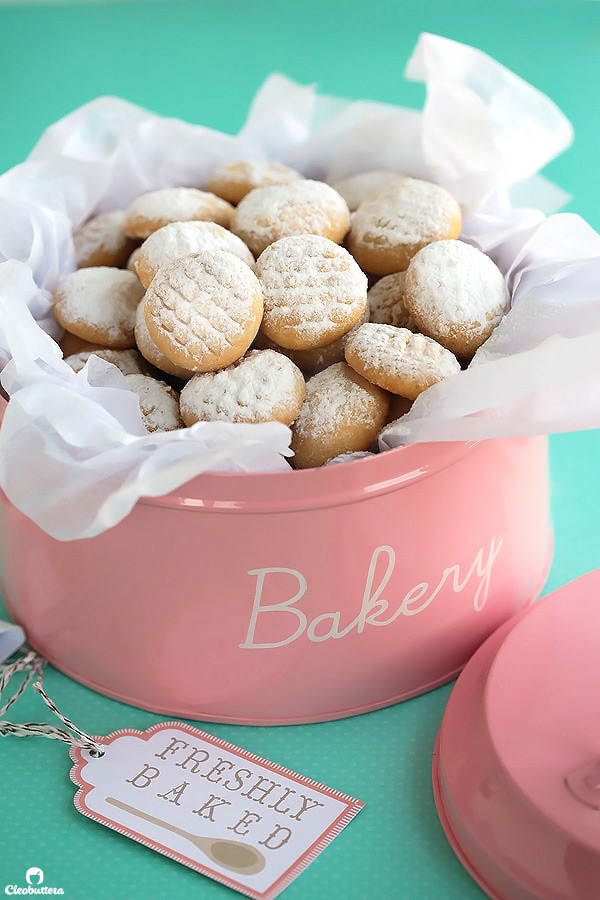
(446, 823)
(325, 486)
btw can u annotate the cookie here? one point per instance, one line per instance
(150, 351)
(342, 413)
(301, 207)
(130, 362)
(397, 360)
(386, 302)
(405, 216)
(314, 292)
(98, 304)
(203, 311)
(155, 209)
(181, 239)
(159, 403)
(364, 186)
(456, 295)
(101, 241)
(263, 386)
(236, 179)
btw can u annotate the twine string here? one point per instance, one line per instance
(33, 665)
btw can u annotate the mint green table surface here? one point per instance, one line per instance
(203, 62)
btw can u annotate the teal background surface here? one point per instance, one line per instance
(203, 61)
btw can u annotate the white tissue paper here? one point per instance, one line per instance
(74, 456)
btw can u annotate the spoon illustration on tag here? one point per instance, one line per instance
(236, 856)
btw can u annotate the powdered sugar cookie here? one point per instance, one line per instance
(364, 186)
(314, 292)
(102, 241)
(98, 304)
(386, 302)
(130, 362)
(151, 211)
(300, 207)
(203, 311)
(456, 294)
(181, 239)
(263, 386)
(398, 360)
(342, 413)
(159, 403)
(150, 351)
(236, 179)
(405, 216)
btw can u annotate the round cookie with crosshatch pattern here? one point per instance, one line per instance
(203, 311)
(234, 180)
(263, 386)
(397, 360)
(181, 239)
(150, 351)
(314, 292)
(405, 216)
(301, 207)
(155, 209)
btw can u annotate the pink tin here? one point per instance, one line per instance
(517, 765)
(292, 597)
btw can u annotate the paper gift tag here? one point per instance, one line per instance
(240, 819)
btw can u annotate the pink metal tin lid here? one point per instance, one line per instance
(516, 768)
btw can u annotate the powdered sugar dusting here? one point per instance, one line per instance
(150, 351)
(183, 238)
(130, 362)
(159, 403)
(406, 211)
(386, 302)
(204, 310)
(264, 386)
(236, 179)
(456, 293)
(342, 412)
(104, 234)
(151, 211)
(398, 360)
(314, 291)
(300, 207)
(101, 299)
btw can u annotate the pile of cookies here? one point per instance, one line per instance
(271, 297)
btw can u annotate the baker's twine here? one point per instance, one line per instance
(33, 664)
